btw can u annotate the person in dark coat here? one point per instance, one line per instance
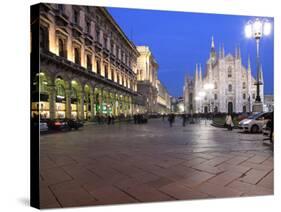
(183, 120)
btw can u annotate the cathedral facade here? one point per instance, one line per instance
(227, 85)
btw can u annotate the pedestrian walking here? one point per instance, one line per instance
(171, 119)
(183, 120)
(229, 122)
(109, 119)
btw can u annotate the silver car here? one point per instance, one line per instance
(43, 127)
(255, 123)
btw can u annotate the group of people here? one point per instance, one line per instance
(140, 118)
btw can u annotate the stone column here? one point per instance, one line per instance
(92, 102)
(107, 102)
(82, 105)
(114, 105)
(68, 102)
(52, 101)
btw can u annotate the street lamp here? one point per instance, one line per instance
(257, 29)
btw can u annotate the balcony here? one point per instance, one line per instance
(98, 45)
(112, 56)
(88, 39)
(106, 52)
(61, 18)
(77, 30)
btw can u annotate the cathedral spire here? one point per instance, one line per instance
(213, 43)
(200, 73)
(196, 73)
(222, 50)
(249, 64)
(213, 51)
(237, 52)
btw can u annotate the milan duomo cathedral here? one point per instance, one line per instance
(227, 85)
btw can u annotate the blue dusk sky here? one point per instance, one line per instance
(179, 40)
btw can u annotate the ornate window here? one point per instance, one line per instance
(112, 74)
(229, 72)
(60, 8)
(215, 96)
(97, 34)
(98, 66)
(89, 62)
(105, 71)
(105, 41)
(77, 55)
(88, 26)
(244, 85)
(62, 48)
(118, 80)
(76, 16)
(244, 96)
(60, 91)
(44, 38)
(230, 88)
(112, 46)
(216, 85)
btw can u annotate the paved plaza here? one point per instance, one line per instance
(127, 163)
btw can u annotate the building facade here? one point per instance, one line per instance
(163, 99)
(88, 66)
(227, 85)
(147, 76)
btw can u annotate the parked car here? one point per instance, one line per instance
(43, 126)
(74, 124)
(57, 124)
(255, 123)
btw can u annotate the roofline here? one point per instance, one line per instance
(109, 16)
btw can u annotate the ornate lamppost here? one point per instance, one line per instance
(257, 29)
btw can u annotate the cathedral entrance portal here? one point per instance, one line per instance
(205, 109)
(230, 107)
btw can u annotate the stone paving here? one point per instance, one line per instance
(127, 163)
